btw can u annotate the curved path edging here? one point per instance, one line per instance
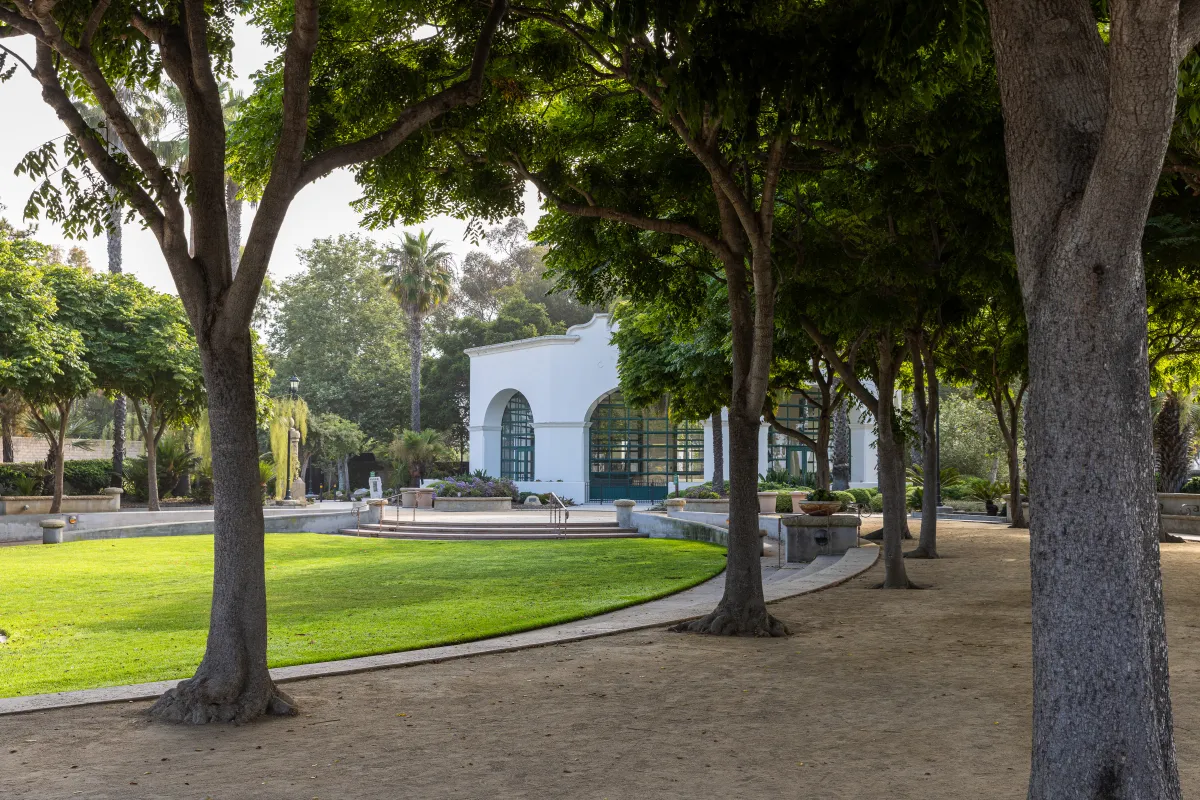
(778, 584)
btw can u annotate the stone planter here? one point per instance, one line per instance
(806, 537)
(416, 497)
(624, 513)
(72, 504)
(674, 504)
(719, 505)
(472, 503)
(797, 499)
(766, 502)
(820, 508)
(52, 530)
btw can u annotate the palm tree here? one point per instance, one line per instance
(419, 277)
(150, 118)
(419, 450)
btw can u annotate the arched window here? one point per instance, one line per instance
(785, 453)
(636, 454)
(516, 440)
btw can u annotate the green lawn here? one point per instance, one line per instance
(106, 613)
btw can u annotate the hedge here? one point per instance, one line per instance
(85, 476)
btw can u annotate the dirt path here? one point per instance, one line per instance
(897, 695)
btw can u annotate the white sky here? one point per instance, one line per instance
(321, 209)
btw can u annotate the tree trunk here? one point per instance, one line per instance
(718, 429)
(891, 470)
(1171, 445)
(151, 461)
(1086, 128)
(841, 447)
(925, 409)
(743, 609)
(114, 239)
(118, 451)
(7, 423)
(414, 356)
(232, 683)
(821, 453)
(57, 446)
(1016, 506)
(233, 207)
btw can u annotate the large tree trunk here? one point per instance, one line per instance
(841, 447)
(414, 356)
(718, 428)
(1086, 127)
(891, 470)
(1016, 503)
(821, 453)
(925, 410)
(232, 683)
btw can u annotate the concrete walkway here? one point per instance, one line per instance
(823, 573)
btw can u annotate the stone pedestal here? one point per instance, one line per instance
(298, 489)
(674, 504)
(624, 513)
(52, 530)
(374, 512)
(806, 537)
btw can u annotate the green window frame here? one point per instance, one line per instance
(516, 440)
(635, 454)
(785, 452)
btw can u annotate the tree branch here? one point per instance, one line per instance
(1189, 26)
(844, 370)
(93, 24)
(466, 92)
(712, 243)
(803, 438)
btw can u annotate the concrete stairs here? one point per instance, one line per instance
(484, 530)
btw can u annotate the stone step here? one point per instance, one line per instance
(450, 523)
(481, 533)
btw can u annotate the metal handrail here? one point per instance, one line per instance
(558, 510)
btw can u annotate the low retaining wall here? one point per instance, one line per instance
(660, 526)
(302, 522)
(193, 522)
(472, 504)
(71, 504)
(768, 523)
(1179, 512)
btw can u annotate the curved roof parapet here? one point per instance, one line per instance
(570, 337)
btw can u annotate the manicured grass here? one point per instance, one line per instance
(112, 612)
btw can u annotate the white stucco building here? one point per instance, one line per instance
(546, 413)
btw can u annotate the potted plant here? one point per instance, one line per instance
(821, 503)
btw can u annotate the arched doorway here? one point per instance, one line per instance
(637, 454)
(516, 440)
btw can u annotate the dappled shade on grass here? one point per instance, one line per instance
(112, 612)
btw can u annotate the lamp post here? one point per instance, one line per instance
(294, 386)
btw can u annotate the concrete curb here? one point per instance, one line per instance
(680, 607)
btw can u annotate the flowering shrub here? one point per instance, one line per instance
(472, 486)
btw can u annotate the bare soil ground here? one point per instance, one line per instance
(878, 695)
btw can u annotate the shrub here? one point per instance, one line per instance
(703, 491)
(861, 495)
(822, 496)
(783, 503)
(877, 503)
(202, 486)
(1192, 486)
(848, 499)
(15, 477)
(173, 460)
(471, 486)
(914, 497)
(87, 476)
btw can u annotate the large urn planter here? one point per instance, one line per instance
(473, 504)
(766, 502)
(717, 505)
(820, 508)
(797, 499)
(416, 498)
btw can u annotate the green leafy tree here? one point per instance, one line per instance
(334, 326)
(156, 364)
(418, 275)
(332, 440)
(297, 127)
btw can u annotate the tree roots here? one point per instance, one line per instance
(190, 702)
(921, 553)
(907, 585)
(724, 622)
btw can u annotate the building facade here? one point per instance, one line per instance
(547, 413)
